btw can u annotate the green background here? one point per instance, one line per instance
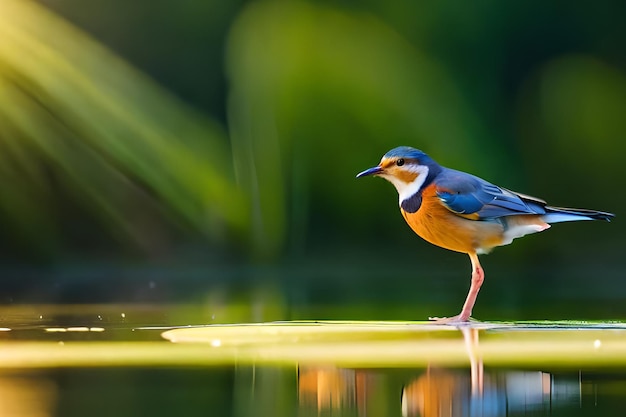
(205, 151)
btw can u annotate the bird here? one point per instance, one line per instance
(463, 213)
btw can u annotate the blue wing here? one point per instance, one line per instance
(467, 194)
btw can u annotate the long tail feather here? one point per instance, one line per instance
(561, 214)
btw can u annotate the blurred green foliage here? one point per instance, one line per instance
(141, 129)
(82, 128)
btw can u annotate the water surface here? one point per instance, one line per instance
(142, 360)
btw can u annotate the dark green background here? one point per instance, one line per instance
(278, 105)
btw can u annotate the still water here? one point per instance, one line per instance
(138, 361)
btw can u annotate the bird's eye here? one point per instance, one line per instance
(400, 162)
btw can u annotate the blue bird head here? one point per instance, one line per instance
(405, 152)
(405, 158)
(408, 169)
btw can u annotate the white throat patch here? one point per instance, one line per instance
(408, 190)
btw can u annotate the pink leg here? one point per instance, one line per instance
(478, 276)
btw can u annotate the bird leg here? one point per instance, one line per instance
(478, 276)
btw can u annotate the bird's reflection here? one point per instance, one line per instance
(446, 393)
(439, 392)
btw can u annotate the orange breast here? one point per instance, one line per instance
(436, 224)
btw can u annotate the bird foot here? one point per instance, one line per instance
(454, 320)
